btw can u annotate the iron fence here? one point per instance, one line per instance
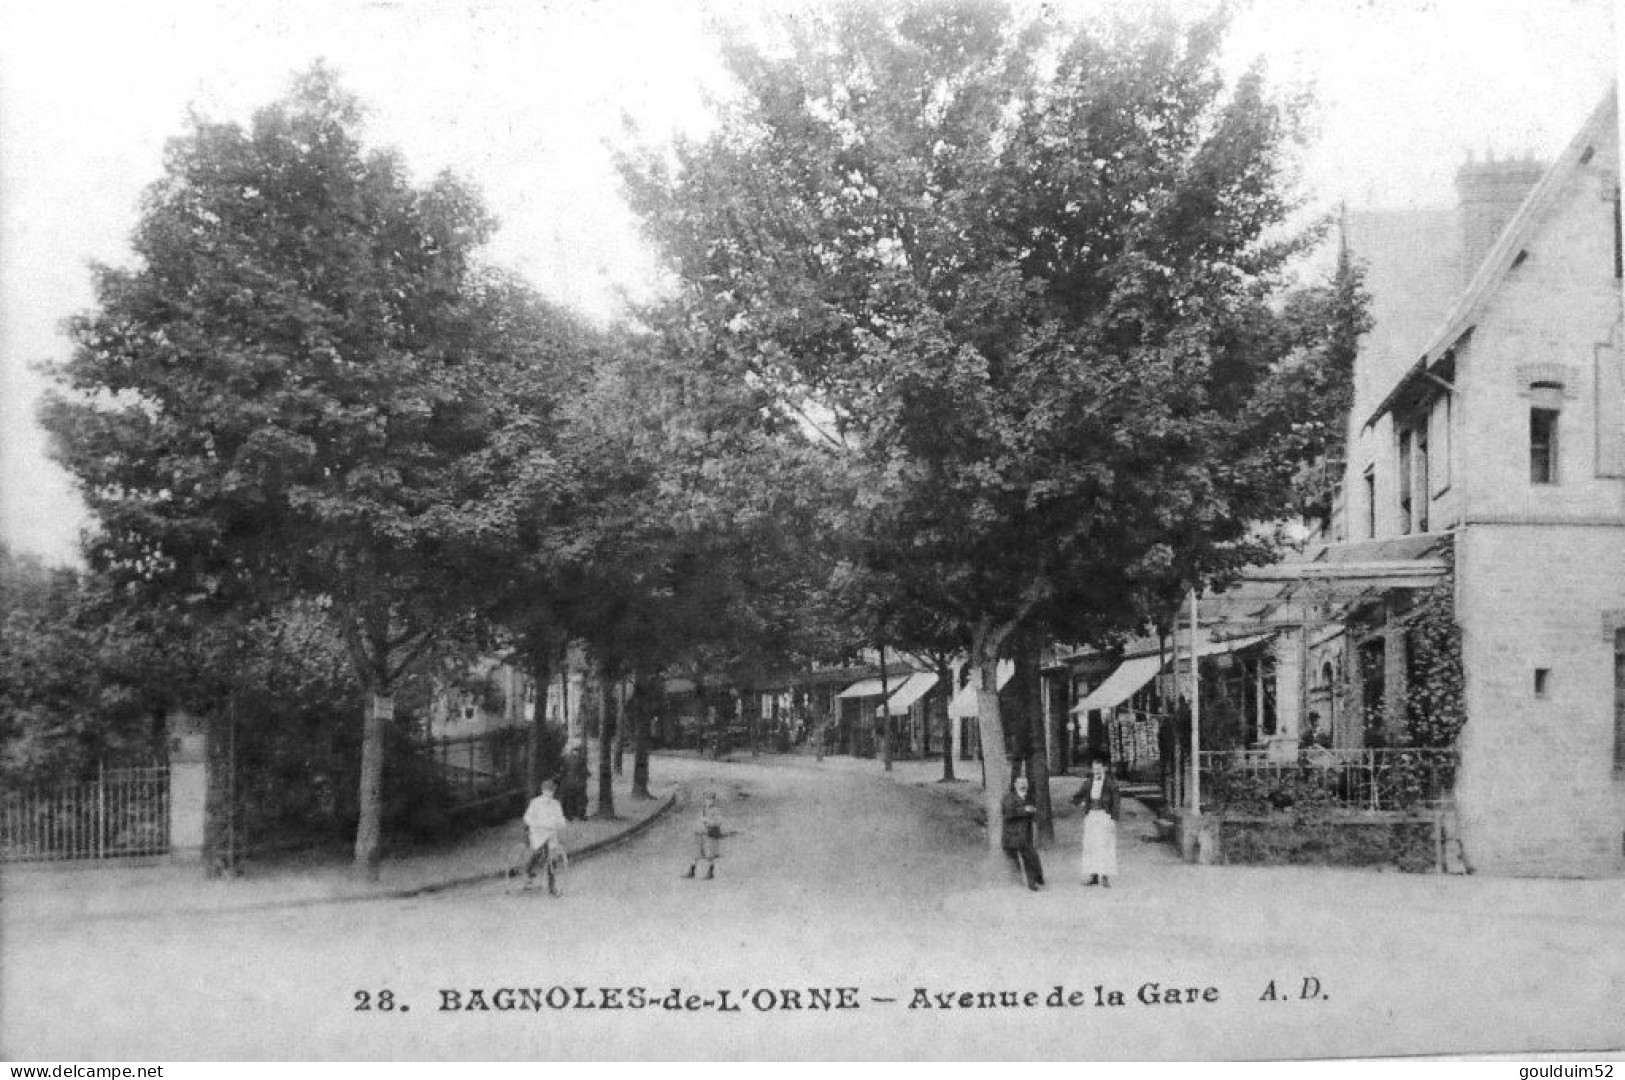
(480, 768)
(1386, 779)
(121, 813)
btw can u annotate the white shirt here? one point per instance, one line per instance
(544, 817)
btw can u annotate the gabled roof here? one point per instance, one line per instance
(1511, 248)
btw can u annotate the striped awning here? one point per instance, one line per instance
(916, 687)
(1121, 684)
(863, 688)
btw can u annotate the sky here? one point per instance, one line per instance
(526, 98)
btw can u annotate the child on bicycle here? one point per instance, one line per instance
(544, 817)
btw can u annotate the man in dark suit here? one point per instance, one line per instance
(1018, 815)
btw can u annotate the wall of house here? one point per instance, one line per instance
(1436, 475)
(1552, 321)
(1541, 566)
(1537, 792)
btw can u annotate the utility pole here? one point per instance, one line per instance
(1193, 818)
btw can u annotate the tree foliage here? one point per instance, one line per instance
(1027, 272)
(294, 390)
(83, 681)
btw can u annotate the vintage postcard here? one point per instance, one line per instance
(901, 531)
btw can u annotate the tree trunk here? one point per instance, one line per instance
(750, 709)
(945, 676)
(369, 830)
(643, 700)
(995, 763)
(541, 676)
(1027, 677)
(606, 751)
(620, 725)
(885, 711)
(1060, 751)
(571, 731)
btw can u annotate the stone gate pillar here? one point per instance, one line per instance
(188, 786)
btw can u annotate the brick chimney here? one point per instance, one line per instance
(1490, 192)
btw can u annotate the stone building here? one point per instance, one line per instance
(1498, 437)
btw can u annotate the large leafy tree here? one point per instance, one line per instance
(294, 388)
(1023, 272)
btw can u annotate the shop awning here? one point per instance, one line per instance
(1136, 671)
(916, 687)
(1121, 684)
(964, 703)
(865, 688)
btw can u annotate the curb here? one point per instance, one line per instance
(400, 893)
(580, 853)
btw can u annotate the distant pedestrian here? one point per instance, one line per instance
(1018, 813)
(710, 837)
(1101, 807)
(544, 817)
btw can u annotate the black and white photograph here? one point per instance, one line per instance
(838, 530)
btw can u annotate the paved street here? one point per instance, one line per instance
(837, 877)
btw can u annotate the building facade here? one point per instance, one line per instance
(1502, 433)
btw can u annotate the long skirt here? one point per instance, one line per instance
(1099, 844)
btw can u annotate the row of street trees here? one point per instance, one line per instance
(1026, 276)
(310, 391)
(975, 337)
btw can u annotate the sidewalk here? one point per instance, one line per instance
(1136, 829)
(78, 890)
(1157, 874)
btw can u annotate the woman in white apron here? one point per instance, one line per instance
(1098, 797)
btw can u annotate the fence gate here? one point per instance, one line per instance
(123, 812)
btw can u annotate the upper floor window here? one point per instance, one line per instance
(1440, 482)
(1546, 386)
(1370, 502)
(1423, 485)
(1543, 445)
(1405, 486)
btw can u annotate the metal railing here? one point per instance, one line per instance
(123, 812)
(479, 768)
(1387, 779)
